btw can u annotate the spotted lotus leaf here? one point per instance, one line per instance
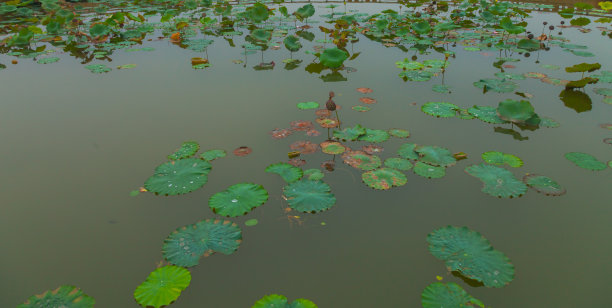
(486, 114)
(238, 199)
(211, 155)
(64, 296)
(350, 133)
(187, 149)
(398, 163)
(374, 136)
(429, 171)
(406, 151)
(179, 177)
(384, 178)
(499, 158)
(498, 182)
(436, 156)
(440, 109)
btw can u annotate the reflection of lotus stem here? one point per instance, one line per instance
(338, 118)
(328, 136)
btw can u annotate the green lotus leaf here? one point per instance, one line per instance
(163, 286)
(211, 155)
(515, 111)
(304, 12)
(566, 13)
(429, 171)
(333, 57)
(605, 76)
(409, 65)
(178, 177)
(384, 178)
(440, 109)
(603, 91)
(499, 158)
(288, 172)
(48, 60)
(506, 75)
(399, 133)
(279, 301)
(445, 27)
(7, 8)
(583, 67)
(416, 75)
(98, 68)
(350, 133)
(99, 30)
(469, 253)
(187, 244)
(435, 63)
(313, 174)
(258, 12)
(238, 199)
(64, 296)
(363, 161)
(581, 21)
(309, 196)
(361, 108)
(498, 182)
(292, 43)
(507, 25)
(438, 295)
(374, 135)
(582, 53)
(527, 44)
(549, 122)
(581, 83)
(441, 88)
(307, 105)
(332, 147)
(585, 161)
(261, 34)
(406, 151)
(605, 5)
(421, 27)
(398, 163)
(544, 185)
(251, 222)
(496, 85)
(486, 114)
(463, 114)
(436, 156)
(550, 67)
(187, 149)
(583, 6)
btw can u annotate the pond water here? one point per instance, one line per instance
(75, 143)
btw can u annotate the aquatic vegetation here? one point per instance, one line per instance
(238, 199)
(496, 85)
(499, 158)
(486, 114)
(429, 171)
(384, 178)
(350, 133)
(440, 109)
(407, 151)
(279, 301)
(309, 196)
(332, 147)
(288, 172)
(186, 150)
(469, 253)
(518, 112)
(179, 177)
(361, 160)
(163, 286)
(333, 57)
(399, 133)
(251, 222)
(497, 182)
(435, 156)
(585, 161)
(313, 174)
(398, 163)
(186, 245)
(308, 105)
(211, 155)
(450, 294)
(64, 296)
(374, 135)
(544, 185)
(242, 151)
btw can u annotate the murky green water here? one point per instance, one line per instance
(74, 144)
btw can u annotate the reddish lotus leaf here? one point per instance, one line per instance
(322, 113)
(332, 147)
(328, 165)
(305, 147)
(301, 125)
(297, 162)
(313, 133)
(372, 149)
(535, 75)
(554, 81)
(242, 151)
(364, 90)
(367, 100)
(327, 122)
(348, 158)
(280, 133)
(508, 66)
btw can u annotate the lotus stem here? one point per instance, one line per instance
(338, 118)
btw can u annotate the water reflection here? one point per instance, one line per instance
(576, 100)
(508, 131)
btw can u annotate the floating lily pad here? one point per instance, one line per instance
(469, 253)
(604, 76)
(211, 155)
(399, 133)
(178, 177)
(544, 185)
(398, 163)
(238, 199)
(517, 112)
(496, 85)
(416, 75)
(384, 178)
(406, 150)
(438, 295)
(186, 150)
(436, 156)
(374, 135)
(499, 158)
(288, 172)
(309, 196)
(48, 60)
(498, 182)
(440, 109)
(350, 133)
(486, 114)
(163, 286)
(242, 151)
(429, 171)
(360, 108)
(98, 68)
(360, 160)
(308, 105)
(333, 57)
(187, 244)
(441, 88)
(549, 122)
(64, 296)
(603, 91)
(279, 301)
(332, 147)
(313, 174)
(509, 76)
(251, 222)
(585, 161)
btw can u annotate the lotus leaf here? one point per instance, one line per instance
(178, 177)
(99, 30)
(507, 25)
(313, 174)
(360, 108)
(583, 67)
(374, 135)
(498, 182)
(549, 122)
(416, 75)
(486, 114)
(509, 76)
(309, 196)
(429, 171)
(436, 156)
(603, 91)
(332, 147)
(527, 44)
(409, 65)
(496, 85)
(544, 185)
(64, 296)
(238, 199)
(585, 161)
(186, 150)
(362, 161)
(606, 76)
(304, 12)
(98, 68)
(48, 60)
(384, 178)
(308, 105)
(440, 109)
(463, 114)
(163, 286)
(261, 34)
(211, 155)
(251, 222)
(288, 172)
(279, 301)
(441, 88)
(581, 83)
(398, 163)
(438, 295)
(605, 5)
(515, 111)
(406, 151)
(333, 57)
(258, 12)
(292, 43)
(582, 53)
(187, 244)
(399, 133)
(581, 21)
(435, 63)
(499, 158)
(469, 253)
(421, 27)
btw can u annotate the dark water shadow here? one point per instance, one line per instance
(471, 282)
(576, 100)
